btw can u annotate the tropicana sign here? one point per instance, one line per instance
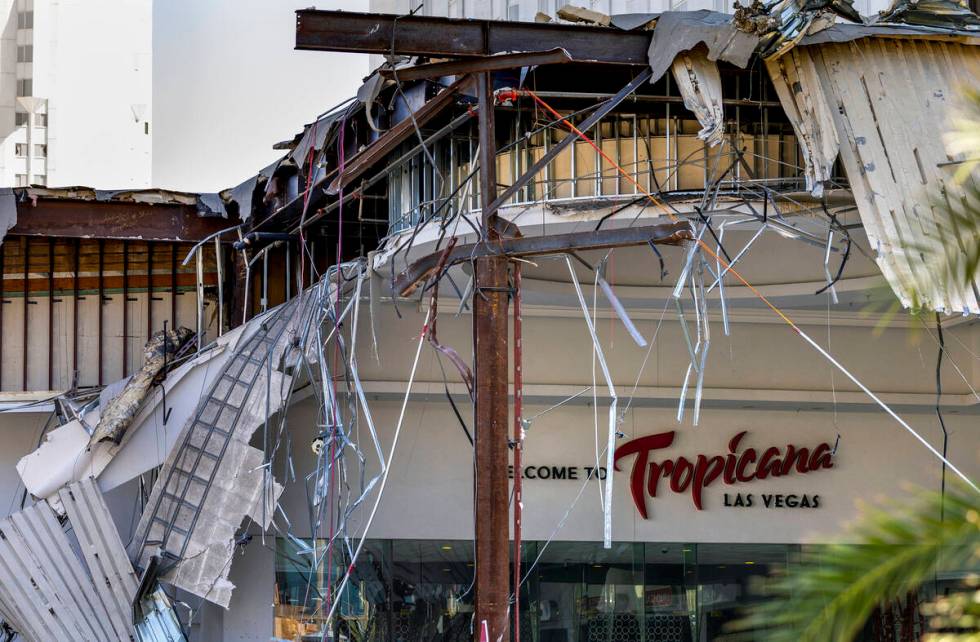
(733, 467)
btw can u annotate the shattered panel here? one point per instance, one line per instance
(699, 82)
(237, 492)
(890, 110)
(798, 86)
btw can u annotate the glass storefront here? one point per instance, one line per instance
(411, 590)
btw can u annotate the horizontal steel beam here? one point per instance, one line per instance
(484, 63)
(114, 220)
(375, 33)
(665, 234)
(391, 139)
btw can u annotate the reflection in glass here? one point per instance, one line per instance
(411, 590)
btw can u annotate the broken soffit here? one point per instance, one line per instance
(889, 101)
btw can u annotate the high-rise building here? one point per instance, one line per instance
(76, 90)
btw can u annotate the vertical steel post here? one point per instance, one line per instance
(490, 337)
(125, 309)
(149, 290)
(219, 262)
(27, 300)
(518, 447)
(76, 269)
(101, 305)
(51, 313)
(173, 286)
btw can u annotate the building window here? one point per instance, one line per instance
(20, 118)
(40, 120)
(40, 151)
(25, 20)
(40, 179)
(514, 11)
(20, 180)
(25, 53)
(25, 87)
(20, 149)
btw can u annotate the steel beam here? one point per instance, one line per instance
(485, 63)
(587, 124)
(453, 37)
(389, 141)
(665, 234)
(112, 220)
(490, 330)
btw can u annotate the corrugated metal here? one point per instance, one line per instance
(891, 100)
(103, 550)
(46, 591)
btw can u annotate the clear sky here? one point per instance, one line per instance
(227, 85)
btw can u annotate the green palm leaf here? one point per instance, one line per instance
(832, 595)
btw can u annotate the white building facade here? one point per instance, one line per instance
(76, 92)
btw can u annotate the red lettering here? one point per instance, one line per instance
(681, 477)
(641, 448)
(706, 471)
(769, 464)
(822, 457)
(731, 467)
(747, 458)
(801, 456)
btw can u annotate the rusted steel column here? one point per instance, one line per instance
(518, 446)
(490, 336)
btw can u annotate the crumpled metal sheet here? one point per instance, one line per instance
(798, 86)
(314, 137)
(631, 21)
(945, 14)
(367, 94)
(893, 100)
(783, 23)
(699, 82)
(51, 589)
(848, 33)
(679, 31)
(242, 194)
(120, 411)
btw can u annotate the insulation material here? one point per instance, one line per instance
(66, 455)
(699, 82)
(795, 79)
(48, 591)
(121, 410)
(890, 113)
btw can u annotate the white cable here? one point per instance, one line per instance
(611, 439)
(884, 406)
(384, 478)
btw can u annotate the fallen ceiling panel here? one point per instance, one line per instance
(890, 101)
(212, 479)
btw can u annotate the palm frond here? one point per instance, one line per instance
(830, 597)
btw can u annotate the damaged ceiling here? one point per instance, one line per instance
(874, 98)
